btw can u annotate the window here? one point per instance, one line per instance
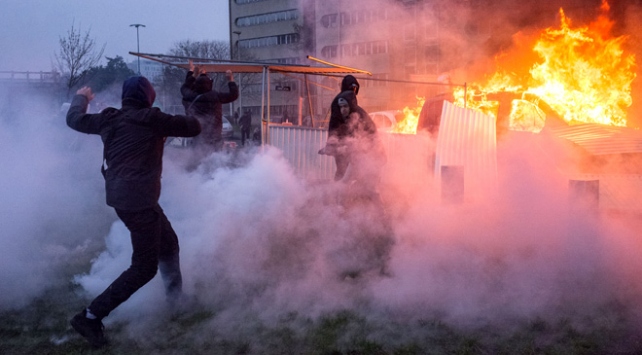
(288, 60)
(362, 48)
(409, 32)
(269, 41)
(346, 50)
(329, 20)
(267, 18)
(380, 47)
(329, 51)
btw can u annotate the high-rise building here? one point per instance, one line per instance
(398, 41)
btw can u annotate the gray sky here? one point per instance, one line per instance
(31, 28)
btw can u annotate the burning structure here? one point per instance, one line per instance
(567, 83)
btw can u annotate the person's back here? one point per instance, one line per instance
(133, 139)
(134, 142)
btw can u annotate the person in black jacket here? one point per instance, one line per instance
(246, 126)
(339, 129)
(133, 139)
(206, 104)
(358, 143)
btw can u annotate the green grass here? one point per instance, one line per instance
(43, 328)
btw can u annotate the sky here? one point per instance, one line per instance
(31, 29)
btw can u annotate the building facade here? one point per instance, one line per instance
(398, 41)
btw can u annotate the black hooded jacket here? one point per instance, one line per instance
(133, 139)
(201, 101)
(340, 127)
(350, 83)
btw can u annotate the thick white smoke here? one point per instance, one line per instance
(52, 206)
(259, 243)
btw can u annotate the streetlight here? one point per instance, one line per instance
(137, 42)
(238, 33)
(238, 58)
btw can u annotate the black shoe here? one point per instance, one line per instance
(90, 329)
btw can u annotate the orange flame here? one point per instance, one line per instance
(584, 76)
(411, 118)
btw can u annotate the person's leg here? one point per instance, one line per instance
(145, 228)
(246, 135)
(169, 261)
(342, 162)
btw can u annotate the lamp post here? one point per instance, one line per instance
(238, 58)
(137, 42)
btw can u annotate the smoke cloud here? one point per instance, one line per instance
(258, 243)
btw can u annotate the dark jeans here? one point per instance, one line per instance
(245, 134)
(155, 246)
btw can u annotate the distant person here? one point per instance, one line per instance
(245, 122)
(369, 249)
(236, 117)
(338, 128)
(133, 139)
(357, 143)
(203, 102)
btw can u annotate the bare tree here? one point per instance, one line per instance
(219, 50)
(76, 56)
(202, 49)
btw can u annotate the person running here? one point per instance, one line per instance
(133, 138)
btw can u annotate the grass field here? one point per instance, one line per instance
(43, 328)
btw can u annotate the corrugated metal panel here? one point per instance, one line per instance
(410, 157)
(622, 193)
(300, 146)
(468, 138)
(600, 139)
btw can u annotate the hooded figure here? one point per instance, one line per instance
(358, 147)
(206, 104)
(138, 88)
(350, 83)
(352, 138)
(133, 139)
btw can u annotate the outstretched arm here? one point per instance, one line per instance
(77, 116)
(233, 94)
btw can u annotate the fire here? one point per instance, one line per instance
(411, 118)
(477, 97)
(583, 75)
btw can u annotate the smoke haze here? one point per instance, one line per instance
(259, 244)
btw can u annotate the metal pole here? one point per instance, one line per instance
(137, 42)
(238, 57)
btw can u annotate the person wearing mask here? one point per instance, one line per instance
(206, 104)
(133, 138)
(357, 142)
(338, 128)
(369, 249)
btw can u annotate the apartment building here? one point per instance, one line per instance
(268, 31)
(397, 41)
